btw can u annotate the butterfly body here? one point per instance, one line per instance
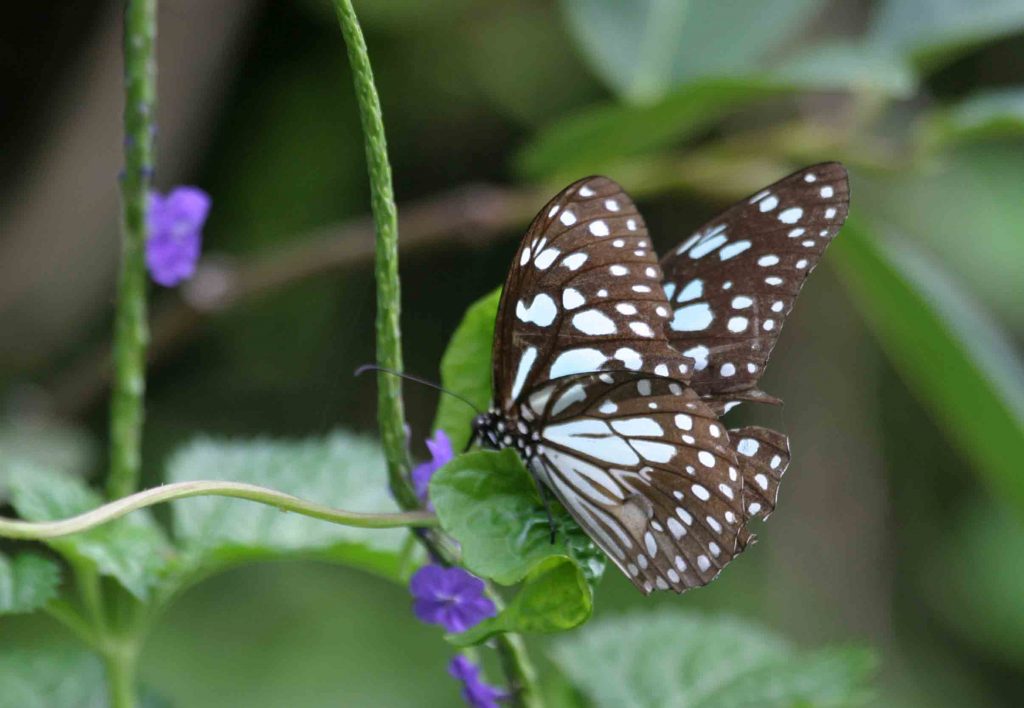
(612, 368)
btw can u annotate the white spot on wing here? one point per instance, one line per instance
(571, 298)
(542, 310)
(748, 447)
(630, 358)
(699, 354)
(546, 258)
(593, 322)
(692, 318)
(574, 261)
(525, 364)
(733, 249)
(593, 438)
(577, 361)
(791, 215)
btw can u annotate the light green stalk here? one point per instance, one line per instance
(131, 332)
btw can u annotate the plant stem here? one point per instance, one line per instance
(120, 658)
(40, 530)
(62, 611)
(391, 417)
(390, 413)
(130, 328)
(519, 671)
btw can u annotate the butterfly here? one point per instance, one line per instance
(611, 368)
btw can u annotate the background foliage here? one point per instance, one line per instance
(901, 366)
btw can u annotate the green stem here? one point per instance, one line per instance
(120, 658)
(131, 333)
(40, 530)
(519, 671)
(62, 611)
(390, 413)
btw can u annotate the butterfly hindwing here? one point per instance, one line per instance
(732, 283)
(648, 472)
(763, 456)
(583, 294)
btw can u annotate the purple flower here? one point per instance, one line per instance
(440, 454)
(475, 692)
(175, 232)
(450, 597)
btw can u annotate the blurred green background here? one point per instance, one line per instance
(901, 522)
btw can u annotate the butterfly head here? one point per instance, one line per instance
(487, 429)
(494, 431)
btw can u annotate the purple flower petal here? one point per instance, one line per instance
(450, 597)
(175, 231)
(475, 692)
(440, 447)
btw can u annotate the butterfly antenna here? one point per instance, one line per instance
(416, 379)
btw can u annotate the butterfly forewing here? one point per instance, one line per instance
(732, 283)
(648, 472)
(584, 294)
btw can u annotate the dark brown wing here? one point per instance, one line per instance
(648, 472)
(732, 284)
(584, 294)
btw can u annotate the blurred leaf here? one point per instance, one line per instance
(947, 350)
(966, 205)
(27, 582)
(341, 469)
(936, 31)
(969, 582)
(853, 67)
(489, 503)
(51, 676)
(51, 447)
(583, 142)
(984, 115)
(591, 139)
(554, 597)
(681, 659)
(132, 550)
(466, 369)
(642, 49)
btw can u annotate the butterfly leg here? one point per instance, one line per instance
(545, 496)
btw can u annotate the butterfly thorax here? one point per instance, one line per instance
(495, 430)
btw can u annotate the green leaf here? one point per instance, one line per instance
(642, 49)
(554, 597)
(937, 31)
(945, 348)
(466, 369)
(985, 115)
(965, 205)
(27, 582)
(44, 677)
(489, 503)
(593, 139)
(673, 658)
(48, 446)
(340, 469)
(849, 66)
(133, 550)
